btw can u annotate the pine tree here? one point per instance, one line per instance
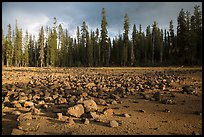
(54, 44)
(161, 46)
(8, 47)
(70, 50)
(97, 48)
(181, 40)
(17, 47)
(149, 44)
(78, 47)
(126, 39)
(154, 27)
(30, 51)
(41, 47)
(67, 48)
(198, 30)
(172, 52)
(84, 43)
(104, 39)
(134, 43)
(26, 53)
(3, 47)
(62, 46)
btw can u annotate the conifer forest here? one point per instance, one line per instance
(173, 46)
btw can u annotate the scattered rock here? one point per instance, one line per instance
(108, 111)
(141, 110)
(94, 115)
(59, 116)
(76, 110)
(126, 115)
(113, 123)
(17, 104)
(101, 102)
(70, 121)
(90, 105)
(91, 85)
(16, 131)
(195, 133)
(27, 125)
(187, 89)
(166, 110)
(35, 111)
(86, 121)
(168, 101)
(198, 113)
(114, 102)
(157, 96)
(16, 113)
(28, 104)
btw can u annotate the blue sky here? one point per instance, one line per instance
(32, 15)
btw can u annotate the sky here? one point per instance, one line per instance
(32, 15)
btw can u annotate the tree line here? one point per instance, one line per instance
(154, 47)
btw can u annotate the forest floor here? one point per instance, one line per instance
(140, 101)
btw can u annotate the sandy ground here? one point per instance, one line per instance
(181, 120)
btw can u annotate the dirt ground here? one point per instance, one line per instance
(147, 117)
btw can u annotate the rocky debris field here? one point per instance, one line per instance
(71, 101)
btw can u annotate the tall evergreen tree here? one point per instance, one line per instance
(8, 47)
(104, 39)
(3, 47)
(134, 43)
(126, 39)
(26, 52)
(181, 33)
(41, 47)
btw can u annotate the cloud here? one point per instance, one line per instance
(71, 14)
(26, 21)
